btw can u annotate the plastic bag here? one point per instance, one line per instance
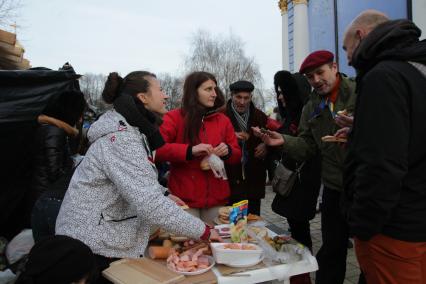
(216, 165)
(19, 246)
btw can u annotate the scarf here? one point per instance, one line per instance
(242, 119)
(137, 115)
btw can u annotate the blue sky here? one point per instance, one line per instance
(104, 36)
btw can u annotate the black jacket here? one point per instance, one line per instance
(385, 176)
(300, 205)
(253, 186)
(51, 159)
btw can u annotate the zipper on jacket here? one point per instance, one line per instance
(115, 220)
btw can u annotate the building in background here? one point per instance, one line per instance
(11, 53)
(309, 25)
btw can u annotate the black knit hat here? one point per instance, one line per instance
(241, 86)
(58, 259)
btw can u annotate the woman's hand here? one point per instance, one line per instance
(214, 236)
(221, 150)
(202, 150)
(242, 135)
(177, 200)
(270, 138)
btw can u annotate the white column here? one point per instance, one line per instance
(284, 16)
(301, 32)
(419, 10)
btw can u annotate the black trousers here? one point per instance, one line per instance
(43, 217)
(254, 206)
(335, 234)
(301, 232)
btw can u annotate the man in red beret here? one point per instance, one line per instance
(323, 115)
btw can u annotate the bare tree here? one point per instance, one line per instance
(225, 58)
(8, 12)
(270, 98)
(172, 86)
(92, 86)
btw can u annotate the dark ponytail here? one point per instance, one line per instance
(112, 87)
(134, 83)
(121, 92)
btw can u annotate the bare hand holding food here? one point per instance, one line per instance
(270, 138)
(242, 135)
(334, 139)
(344, 118)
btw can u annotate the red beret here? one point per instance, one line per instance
(316, 59)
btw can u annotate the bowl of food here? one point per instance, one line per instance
(190, 262)
(236, 254)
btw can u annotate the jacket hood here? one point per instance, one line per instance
(110, 122)
(392, 40)
(296, 90)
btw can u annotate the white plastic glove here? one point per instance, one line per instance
(217, 166)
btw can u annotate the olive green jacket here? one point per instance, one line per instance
(316, 123)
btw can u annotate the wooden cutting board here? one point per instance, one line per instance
(140, 271)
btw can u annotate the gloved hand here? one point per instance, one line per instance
(217, 166)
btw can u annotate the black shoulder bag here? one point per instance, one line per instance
(284, 178)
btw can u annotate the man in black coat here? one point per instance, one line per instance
(385, 178)
(247, 179)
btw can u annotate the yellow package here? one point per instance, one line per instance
(238, 221)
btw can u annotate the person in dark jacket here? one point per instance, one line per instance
(52, 154)
(56, 128)
(385, 181)
(333, 92)
(247, 179)
(299, 207)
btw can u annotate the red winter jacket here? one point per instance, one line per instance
(198, 188)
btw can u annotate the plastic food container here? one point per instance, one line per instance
(236, 257)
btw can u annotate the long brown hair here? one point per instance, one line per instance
(192, 110)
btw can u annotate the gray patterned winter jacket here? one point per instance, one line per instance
(114, 198)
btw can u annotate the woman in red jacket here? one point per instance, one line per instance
(191, 133)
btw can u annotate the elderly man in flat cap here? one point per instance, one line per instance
(332, 93)
(247, 179)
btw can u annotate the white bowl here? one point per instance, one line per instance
(236, 257)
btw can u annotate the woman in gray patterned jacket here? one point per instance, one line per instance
(114, 199)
